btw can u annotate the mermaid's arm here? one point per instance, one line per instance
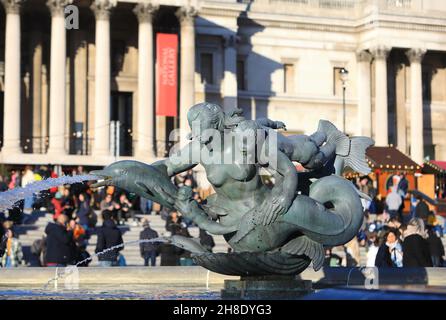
(265, 122)
(200, 218)
(178, 162)
(192, 210)
(284, 189)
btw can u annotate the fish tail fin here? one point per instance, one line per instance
(350, 152)
(303, 245)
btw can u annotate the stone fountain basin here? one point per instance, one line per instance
(198, 283)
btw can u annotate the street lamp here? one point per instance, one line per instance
(344, 77)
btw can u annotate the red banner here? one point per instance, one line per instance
(166, 74)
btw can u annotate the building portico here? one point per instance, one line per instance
(70, 95)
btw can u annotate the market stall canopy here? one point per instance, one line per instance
(390, 158)
(435, 167)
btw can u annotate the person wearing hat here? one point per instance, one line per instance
(147, 249)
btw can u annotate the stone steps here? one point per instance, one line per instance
(29, 233)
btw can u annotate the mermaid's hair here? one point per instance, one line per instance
(212, 111)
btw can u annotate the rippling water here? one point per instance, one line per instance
(133, 292)
(9, 199)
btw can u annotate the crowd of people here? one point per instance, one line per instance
(391, 238)
(76, 210)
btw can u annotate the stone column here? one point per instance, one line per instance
(230, 73)
(416, 105)
(101, 145)
(11, 126)
(380, 54)
(45, 107)
(145, 121)
(57, 77)
(364, 95)
(79, 87)
(36, 60)
(186, 15)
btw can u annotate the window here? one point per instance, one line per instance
(337, 82)
(207, 68)
(288, 80)
(429, 151)
(241, 85)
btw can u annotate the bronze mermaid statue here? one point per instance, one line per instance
(272, 230)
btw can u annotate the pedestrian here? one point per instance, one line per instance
(110, 205)
(67, 203)
(331, 259)
(436, 247)
(15, 181)
(109, 236)
(393, 202)
(422, 209)
(390, 253)
(13, 255)
(174, 222)
(56, 202)
(352, 254)
(125, 210)
(59, 243)
(415, 246)
(206, 240)
(147, 249)
(373, 247)
(38, 250)
(27, 178)
(83, 211)
(82, 256)
(145, 205)
(170, 255)
(3, 185)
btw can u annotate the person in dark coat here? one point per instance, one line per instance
(67, 203)
(83, 211)
(415, 247)
(170, 255)
(148, 250)
(3, 184)
(436, 247)
(174, 223)
(421, 209)
(108, 236)
(59, 242)
(3, 242)
(389, 252)
(206, 240)
(383, 259)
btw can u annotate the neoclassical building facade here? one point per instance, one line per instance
(88, 95)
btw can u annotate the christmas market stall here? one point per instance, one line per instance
(389, 166)
(438, 170)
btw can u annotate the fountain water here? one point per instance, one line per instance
(9, 199)
(59, 275)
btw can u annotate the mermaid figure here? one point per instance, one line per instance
(278, 230)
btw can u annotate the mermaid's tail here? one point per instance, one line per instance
(331, 215)
(350, 152)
